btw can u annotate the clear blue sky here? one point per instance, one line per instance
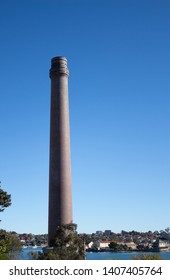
(118, 55)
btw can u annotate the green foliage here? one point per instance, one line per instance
(118, 247)
(10, 245)
(87, 239)
(113, 246)
(4, 245)
(5, 199)
(147, 257)
(67, 245)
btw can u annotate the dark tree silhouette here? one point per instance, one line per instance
(5, 199)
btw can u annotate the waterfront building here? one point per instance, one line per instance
(161, 245)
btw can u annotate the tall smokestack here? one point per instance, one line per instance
(60, 193)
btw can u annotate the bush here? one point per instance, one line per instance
(147, 257)
(10, 245)
(67, 245)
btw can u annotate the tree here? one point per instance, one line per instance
(5, 199)
(67, 245)
(15, 246)
(113, 246)
(118, 247)
(10, 245)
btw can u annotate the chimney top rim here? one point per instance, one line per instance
(59, 58)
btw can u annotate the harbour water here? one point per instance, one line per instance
(98, 255)
(122, 255)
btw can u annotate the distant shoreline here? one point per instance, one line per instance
(33, 247)
(125, 251)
